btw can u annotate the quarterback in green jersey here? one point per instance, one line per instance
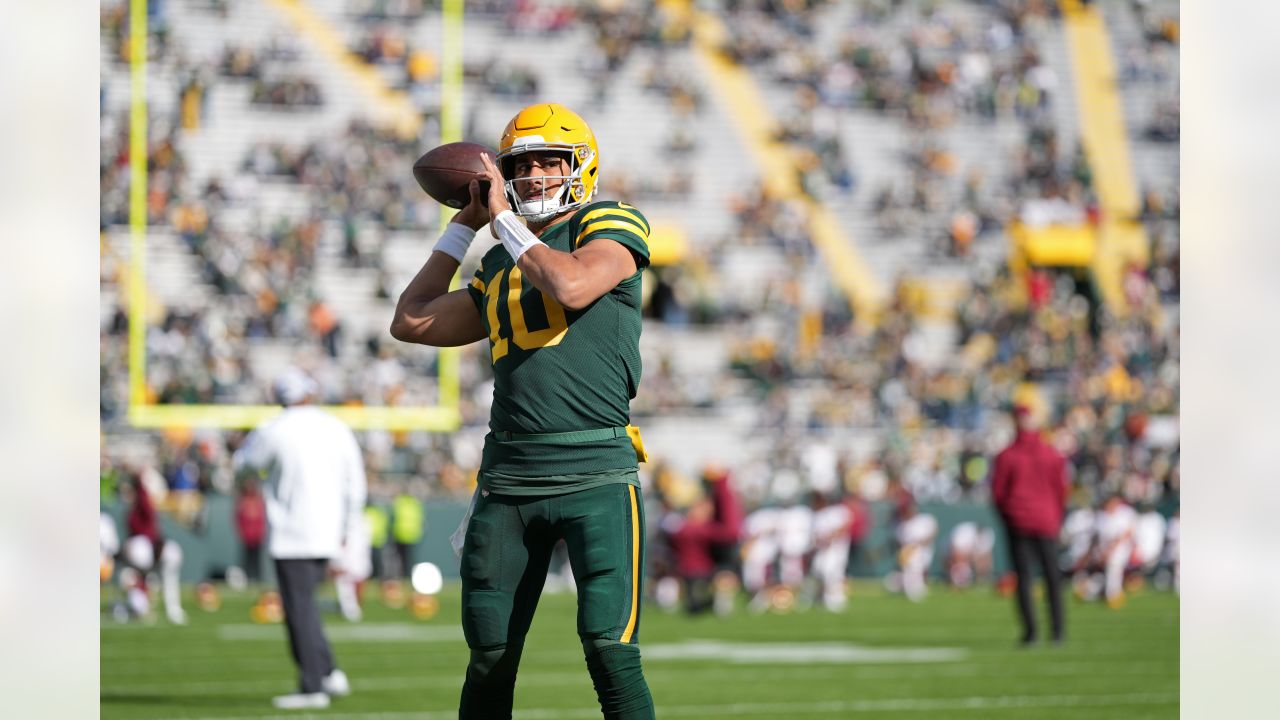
(559, 301)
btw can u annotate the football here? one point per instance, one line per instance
(444, 172)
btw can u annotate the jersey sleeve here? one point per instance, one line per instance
(476, 288)
(619, 222)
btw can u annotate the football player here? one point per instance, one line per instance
(831, 521)
(559, 301)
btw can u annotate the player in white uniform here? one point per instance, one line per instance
(1172, 536)
(915, 534)
(969, 553)
(759, 552)
(108, 548)
(1148, 539)
(1078, 531)
(795, 538)
(831, 550)
(353, 566)
(1116, 525)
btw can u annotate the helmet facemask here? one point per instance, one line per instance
(570, 193)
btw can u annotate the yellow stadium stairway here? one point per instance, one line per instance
(738, 93)
(1121, 238)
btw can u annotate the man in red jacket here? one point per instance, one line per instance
(1030, 485)
(711, 523)
(251, 524)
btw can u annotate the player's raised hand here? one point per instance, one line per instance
(497, 188)
(475, 215)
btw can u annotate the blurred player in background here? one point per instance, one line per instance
(831, 523)
(1171, 555)
(1078, 531)
(146, 544)
(315, 492)
(1030, 485)
(1148, 542)
(108, 548)
(1117, 523)
(915, 533)
(759, 553)
(352, 567)
(969, 554)
(861, 520)
(795, 543)
(559, 300)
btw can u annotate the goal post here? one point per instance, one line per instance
(143, 412)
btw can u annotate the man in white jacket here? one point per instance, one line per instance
(314, 486)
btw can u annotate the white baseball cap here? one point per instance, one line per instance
(293, 386)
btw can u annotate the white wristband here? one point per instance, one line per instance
(516, 238)
(455, 241)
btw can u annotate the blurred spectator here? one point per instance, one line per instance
(286, 93)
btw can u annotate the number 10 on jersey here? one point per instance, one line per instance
(519, 332)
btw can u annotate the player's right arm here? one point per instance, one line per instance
(428, 315)
(427, 312)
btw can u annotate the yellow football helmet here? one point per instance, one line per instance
(551, 127)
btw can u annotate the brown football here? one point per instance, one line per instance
(446, 171)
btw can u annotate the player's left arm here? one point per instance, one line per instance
(577, 279)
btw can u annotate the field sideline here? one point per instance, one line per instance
(951, 656)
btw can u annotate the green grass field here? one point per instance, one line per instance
(952, 655)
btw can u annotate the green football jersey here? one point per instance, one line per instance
(558, 370)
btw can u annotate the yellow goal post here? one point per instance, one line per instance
(443, 417)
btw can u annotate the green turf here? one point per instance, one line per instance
(1116, 664)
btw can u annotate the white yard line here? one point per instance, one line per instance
(772, 709)
(580, 677)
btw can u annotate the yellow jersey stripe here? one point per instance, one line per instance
(609, 225)
(477, 283)
(634, 217)
(635, 568)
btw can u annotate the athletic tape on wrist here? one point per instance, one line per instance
(455, 241)
(516, 238)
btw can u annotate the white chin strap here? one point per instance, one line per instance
(541, 208)
(537, 210)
